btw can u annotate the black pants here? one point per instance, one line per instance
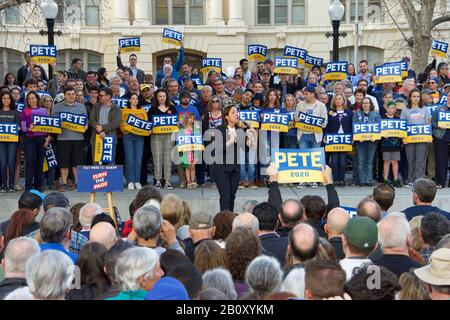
(227, 184)
(441, 150)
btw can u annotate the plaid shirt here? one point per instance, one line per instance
(76, 243)
(426, 253)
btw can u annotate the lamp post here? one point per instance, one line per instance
(50, 11)
(336, 12)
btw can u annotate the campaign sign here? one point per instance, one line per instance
(43, 54)
(146, 107)
(393, 128)
(73, 122)
(419, 133)
(275, 122)
(50, 161)
(100, 179)
(104, 149)
(198, 81)
(351, 211)
(172, 37)
(137, 126)
(311, 61)
(444, 120)
(121, 103)
(443, 99)
(165, 124)
(367, 131)
(251, 117)
(338, 143)
(404, 65)
(130, 45)
(9, 132)
(190, 142)
(46, 124)
(432, 108)
(257, 52)
(286, 65)
(291, 119)
(293, 52)
(310, 123)
(299, 165)
(390, 72)
(212, 64)
(20, 106)
(440, 48)
(336, 71)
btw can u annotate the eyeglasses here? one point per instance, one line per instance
(431, 82)
(215, 101)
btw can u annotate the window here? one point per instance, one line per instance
(193, 59)
(371, 54)
(12, 60)
(368, 10)
(91, 60)
(280, 12)
(11, 15)
(178, 12)
(82, 12)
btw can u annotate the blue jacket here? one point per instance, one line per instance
(176, 69)
(333, 122)
(358, 116)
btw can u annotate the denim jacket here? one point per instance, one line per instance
(438, 132)
(358, 116)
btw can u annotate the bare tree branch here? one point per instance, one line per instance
(440, 20)
(11, 3)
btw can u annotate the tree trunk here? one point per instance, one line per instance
(420, 53)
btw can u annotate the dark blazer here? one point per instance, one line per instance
(275, 245)
(291, 88)
(23, 72)
(227, 158)
(333, 122)
(140, 74)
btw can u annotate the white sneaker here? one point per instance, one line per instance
(301, 185)
(315, 185)
(131, 186)
(138, 186)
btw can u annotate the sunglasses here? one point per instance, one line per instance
(215, 101)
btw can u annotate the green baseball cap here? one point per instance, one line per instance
(361, 232)
(201, 220)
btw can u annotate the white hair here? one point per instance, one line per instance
(295, 283)
(17, 254)
(50, 274)
(88, 212)
(207, 87)
(393, 231)
(263, 275)
(147, 222)
(134, 263)
(20, 294)
(167, 67)
(248, 221)
(221, 280)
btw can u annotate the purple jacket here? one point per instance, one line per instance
(26, 120)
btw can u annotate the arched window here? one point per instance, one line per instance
(12, 60)
(182, 12)
(193, 58)
(91, 60)
(371, 54)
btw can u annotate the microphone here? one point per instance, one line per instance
(244, 125)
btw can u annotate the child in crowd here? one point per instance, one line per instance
(188, 157)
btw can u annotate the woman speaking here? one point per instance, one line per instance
(229, 140)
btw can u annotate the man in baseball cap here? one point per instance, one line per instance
(359, 240)
(437, 275)
(201, 227)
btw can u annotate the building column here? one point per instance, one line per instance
(216, 13)
(120, 13)
(236, 13)
(141, 10)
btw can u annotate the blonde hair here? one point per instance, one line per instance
(172, 209)
(333, 104)
(415, 224)
(412, 288)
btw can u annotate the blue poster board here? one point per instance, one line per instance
(100, 179)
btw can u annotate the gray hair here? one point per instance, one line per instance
(249, 205)
(17, 254)
(147, 222)
(393, 231)
(207, 87)
(246, 220)
(295, 283)
(221, 280)
(88, 212)
(134, 263)
(444, 243)
(50, 274)
(263, 275)
(54, 225)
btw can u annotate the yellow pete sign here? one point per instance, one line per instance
(286, 65)
(338, 143)
(419, 133)
(172, 37)
(440, 48)
(310, 123)
(43, 54)
(336, 71)
(46, 124)
(130, 45)
(299, 165)
(73, 122)
(444, 120)
(137, 126)
(9, 132)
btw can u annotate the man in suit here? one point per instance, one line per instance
(132, 69)
(285, 87)
(25, 72)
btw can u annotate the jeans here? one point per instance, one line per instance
(34, 161)
(338, 160)
(289, 142)
(308, 141)
(133, 147)
(8, 163)
(365, 152)
(251, 161)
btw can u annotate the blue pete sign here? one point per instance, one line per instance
(46, 124)
(73, 122)
(257, 52)
(294, 52)
(50, 161)
(310, 123)
(299, 165)
(130, 45)
(275, 122)
(172, 37)
(440, 48)
(190, 142)
(9, 132)
(137, 126)
(338, 143)
(444, 119)
(336, 71)
(100, 179)
(367, 131)
(251, 117)
(394, 128)
(104, 149)
(122, 103)
(286, 65)
(212, 64)
(421, 133)
(311, 61)
(390, 72)
(43, 54)
(165, 124)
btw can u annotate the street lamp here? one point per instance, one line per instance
(336, 12)
(50, 11)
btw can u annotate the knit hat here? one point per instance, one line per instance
(167, 288)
